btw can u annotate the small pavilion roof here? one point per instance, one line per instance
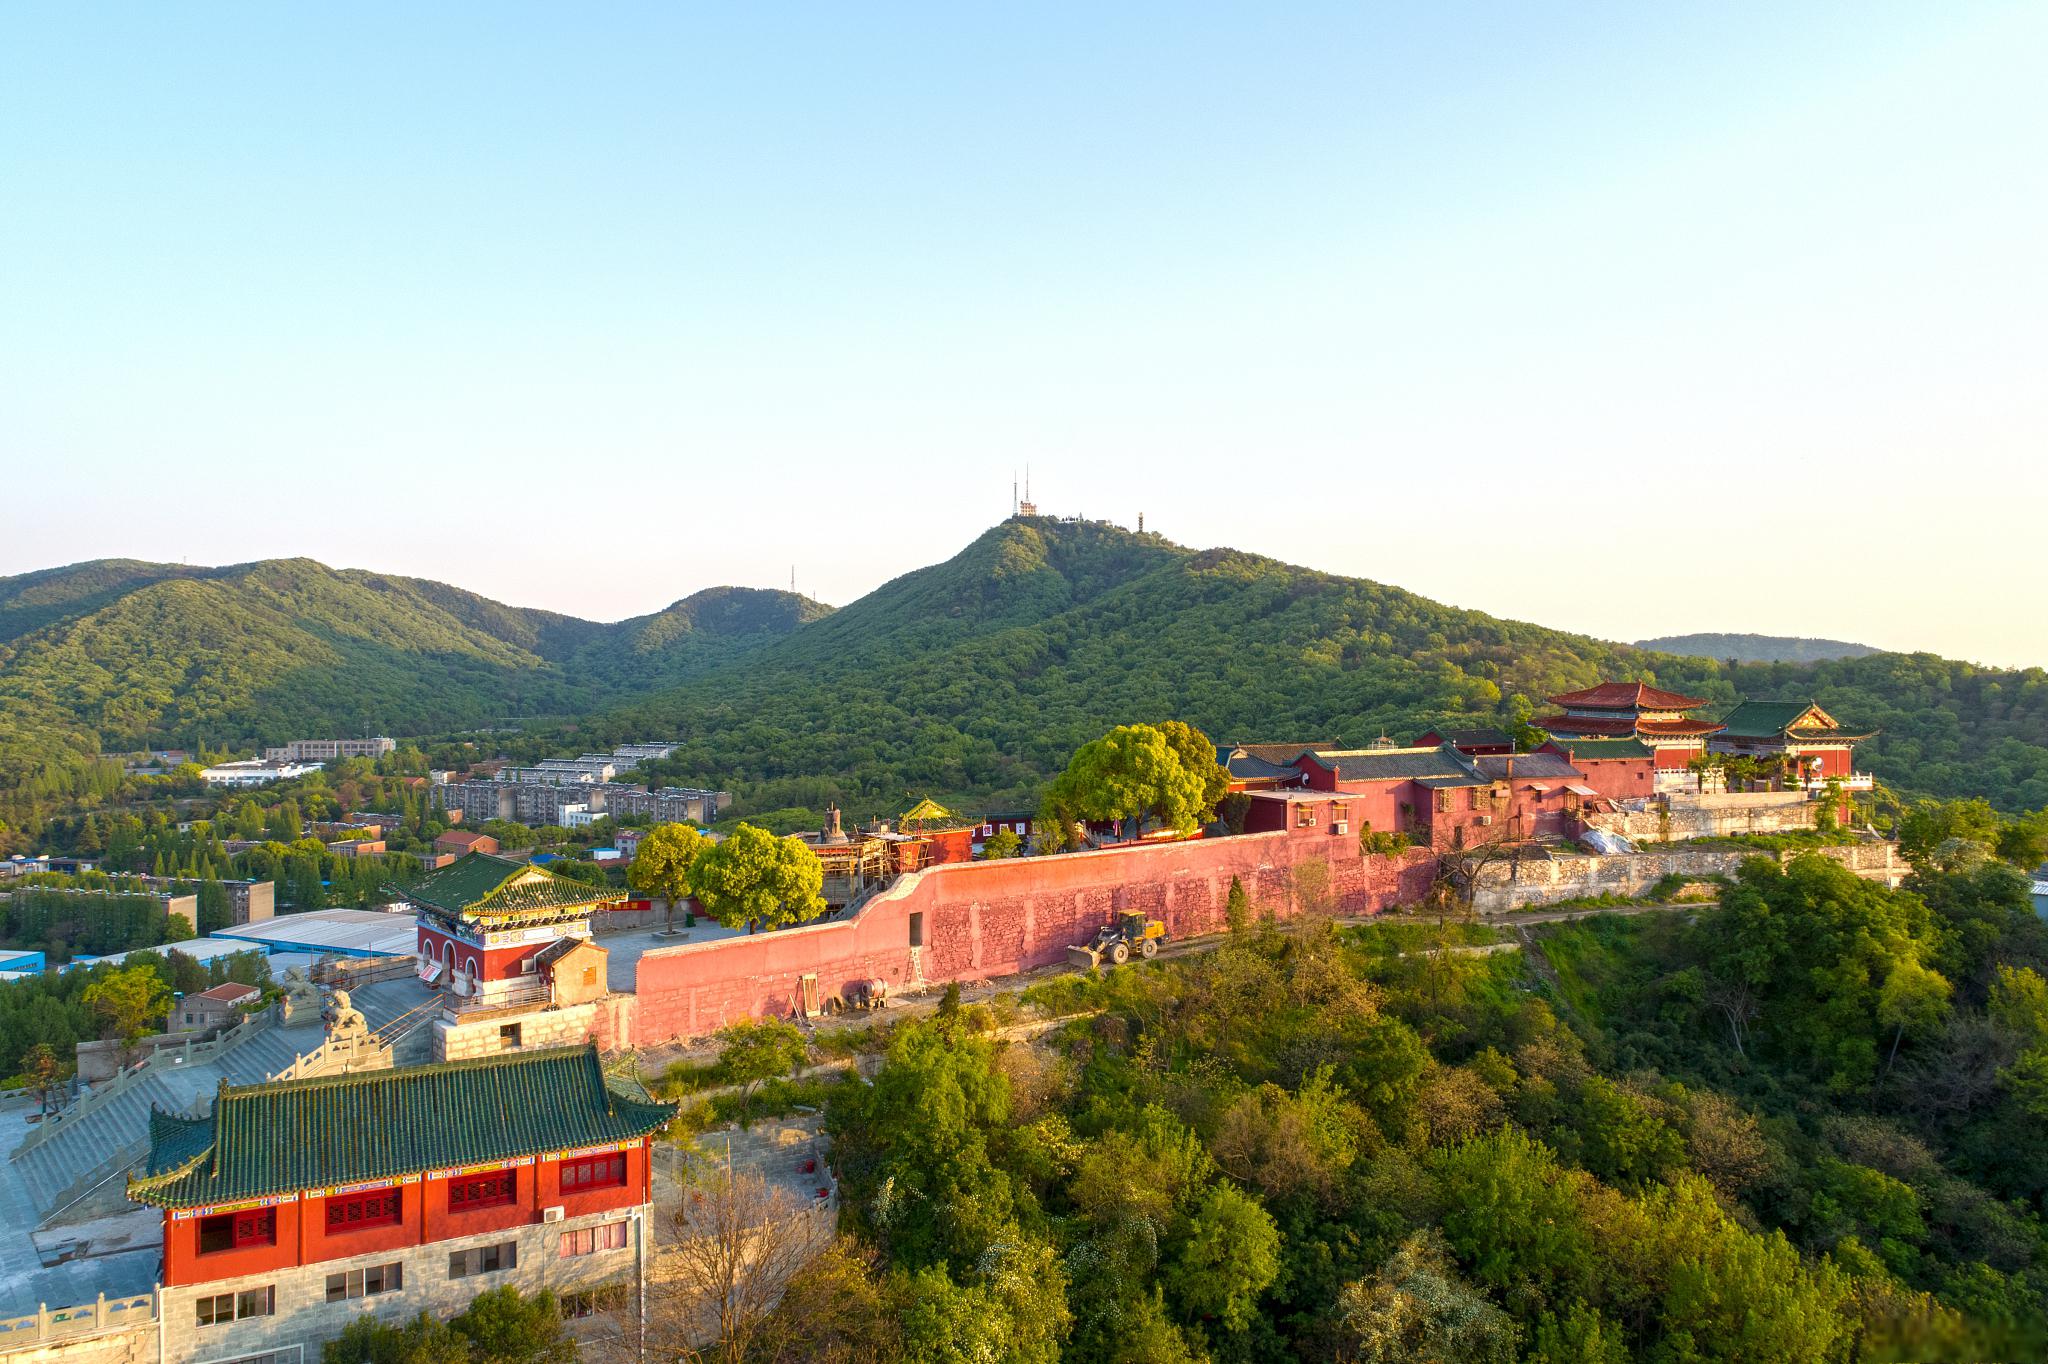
(1627, 696)
(1782, 719)
(295, 1135)
(486, 886)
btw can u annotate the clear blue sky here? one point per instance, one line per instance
(1621, 317)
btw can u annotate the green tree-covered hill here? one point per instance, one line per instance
(116, 655)
(978, 676)
(972, 678)
(1757, 648)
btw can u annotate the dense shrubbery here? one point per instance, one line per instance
(1313, 1144)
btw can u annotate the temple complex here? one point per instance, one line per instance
(1633, 710)
(1807, 739)
(296, 1207)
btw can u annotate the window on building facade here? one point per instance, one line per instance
(218, 1309)
(463, 1264)
(359, 1212)
(594, 1172)
(1304, 815)
(234, 1230)
(1340, 813)
(508, 1034)
(1443, 800)
(365, 1283)
(590, 1240)
(493, 1190)
(590, 1301)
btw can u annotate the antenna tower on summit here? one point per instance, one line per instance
(1027, 507)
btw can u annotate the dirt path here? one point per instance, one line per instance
(1561, 916)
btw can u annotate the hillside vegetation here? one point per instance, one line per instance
(977, 677)
(974, 678)
(1802, 1126)
(114, 656)
(1757, 648)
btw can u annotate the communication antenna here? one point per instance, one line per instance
(1027, 507)
(792, 580)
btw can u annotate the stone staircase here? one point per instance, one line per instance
(110, 1135)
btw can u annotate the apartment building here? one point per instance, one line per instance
(327, 750)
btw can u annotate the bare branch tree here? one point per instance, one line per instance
(732, 1247)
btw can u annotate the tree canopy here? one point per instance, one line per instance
(755, 877)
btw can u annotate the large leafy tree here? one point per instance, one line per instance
(661, 866)
(128, 1003)
(756, 877)
(1129, 773)
(1197, 754)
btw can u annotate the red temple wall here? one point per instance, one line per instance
(984, 919)
(1614, 778)
(183, 1264)
(424, 1217)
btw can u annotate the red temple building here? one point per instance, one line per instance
(1265, 767)
(486, 924)
(1633, 710)
(296, 1207)
(1619, 769)
(1801, 734)
(1437, 797)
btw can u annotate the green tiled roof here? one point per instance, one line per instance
(1763, 719)
(1597, 750)
(484, 884)
(310, 1134)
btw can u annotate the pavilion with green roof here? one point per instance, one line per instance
(1800, 734)
(484, 919)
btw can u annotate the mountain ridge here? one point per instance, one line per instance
(971, 678)
(1749, 648)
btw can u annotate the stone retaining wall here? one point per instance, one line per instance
(1506, 886)
(463, 1038)
(1688, 815)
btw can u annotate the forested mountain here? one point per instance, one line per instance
(116, 655)
(1757, 648)
(971, 678)
(980, 675)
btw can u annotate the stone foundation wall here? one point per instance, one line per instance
(304, 1318)
(1688, 815)
(1508, 886)
(463, 1039)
